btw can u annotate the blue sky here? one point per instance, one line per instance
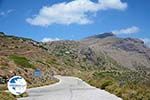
(74, 19)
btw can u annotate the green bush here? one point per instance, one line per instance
(105, 84)
(21, 61)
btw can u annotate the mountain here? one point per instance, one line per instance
(129, 52)
(118, 65)
(104, 35)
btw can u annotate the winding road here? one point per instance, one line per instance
(69, 88)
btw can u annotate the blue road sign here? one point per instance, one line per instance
(37, 73)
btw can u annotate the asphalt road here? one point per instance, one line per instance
(69, 88)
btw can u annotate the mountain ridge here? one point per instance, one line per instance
(102, 62)
(103, 35)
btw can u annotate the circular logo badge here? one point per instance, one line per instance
(17, 85)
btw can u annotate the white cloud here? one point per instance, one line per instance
(146, 41)
(6, 12)
(50, 39)
(76, 11)
(130, 30)
(112, 4)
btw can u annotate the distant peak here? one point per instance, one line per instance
(104, 35)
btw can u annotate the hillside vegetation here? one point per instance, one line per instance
(99, 60)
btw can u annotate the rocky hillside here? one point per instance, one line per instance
(119, 65)
(21, 56)
(128, 52)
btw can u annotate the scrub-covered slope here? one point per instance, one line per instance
(120, 66)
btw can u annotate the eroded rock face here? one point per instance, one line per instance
(88, 54)
(133, 45)
(128, 52)
(129, 44)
